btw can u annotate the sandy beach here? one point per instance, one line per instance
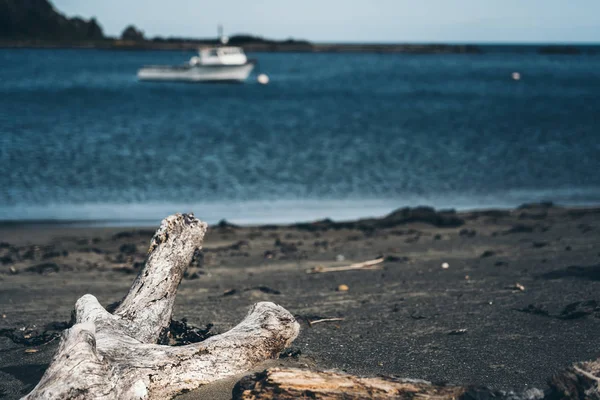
(498, 298)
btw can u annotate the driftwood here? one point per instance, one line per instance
(371, 264)
(581, 381)
(115, 356)
(289, 383)
(319, 321)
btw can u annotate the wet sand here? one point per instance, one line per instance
(519, 301)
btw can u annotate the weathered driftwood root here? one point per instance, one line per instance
(115, 356)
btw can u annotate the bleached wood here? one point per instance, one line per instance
(580, 381)
(290, 383)
(371, 264)
(115, 356)
(318, 321)
(150, 300)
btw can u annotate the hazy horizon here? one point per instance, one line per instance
(387, 21)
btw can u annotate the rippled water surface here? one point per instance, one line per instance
(339, 135)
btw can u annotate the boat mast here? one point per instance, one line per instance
(222, 38)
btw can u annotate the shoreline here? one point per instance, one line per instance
(518, 290)
(307, 47)
(380, 211)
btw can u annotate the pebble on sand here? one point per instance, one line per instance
(445, 265)
(343, 288)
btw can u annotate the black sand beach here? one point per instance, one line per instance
(518, 302)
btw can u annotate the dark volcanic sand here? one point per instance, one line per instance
(397, 321)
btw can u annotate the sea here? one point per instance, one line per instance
(338, 136)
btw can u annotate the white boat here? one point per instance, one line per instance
(213, 64)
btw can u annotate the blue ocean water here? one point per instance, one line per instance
(332, 135)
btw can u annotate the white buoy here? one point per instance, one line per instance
(516, 76)
(263, 79)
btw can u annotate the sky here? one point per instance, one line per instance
(470, 21)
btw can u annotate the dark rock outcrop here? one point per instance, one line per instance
(402, 216)
(38, 19)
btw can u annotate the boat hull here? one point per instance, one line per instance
(197, 73)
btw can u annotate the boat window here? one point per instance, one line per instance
(212, 53)
(230, 50)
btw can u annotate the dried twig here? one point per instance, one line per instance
(586, 374)
(371, 264)
(318, 321)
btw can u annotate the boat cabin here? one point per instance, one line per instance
(225, 55)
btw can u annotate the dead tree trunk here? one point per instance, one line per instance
(115, 356)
